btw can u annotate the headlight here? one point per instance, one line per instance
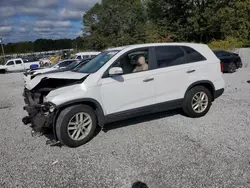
(48, 107)
(52, 108)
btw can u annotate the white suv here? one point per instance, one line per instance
(122, 83)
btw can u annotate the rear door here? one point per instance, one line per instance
(199, 68)
(171, 77)
(19, 65)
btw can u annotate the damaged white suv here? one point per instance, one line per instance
(122, 83)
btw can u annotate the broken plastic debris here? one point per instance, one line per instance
(54, 162)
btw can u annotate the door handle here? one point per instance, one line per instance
(148, 79)
(190, 71)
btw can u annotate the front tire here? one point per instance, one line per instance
(76, 125)
(197, 102)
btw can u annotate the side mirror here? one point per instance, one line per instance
(115, 71)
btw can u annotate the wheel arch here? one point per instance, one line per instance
(95, 105)
(206, 83)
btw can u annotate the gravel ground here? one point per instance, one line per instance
(163, 150)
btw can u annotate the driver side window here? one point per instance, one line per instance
(132, 62)
(10, 63)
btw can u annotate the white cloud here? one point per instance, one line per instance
(30, 3)
(70, 14)
(46, 18)
(51, 24)
(32, 11)
(5, 29)
(22, 29)
(44, 3)
(7, 12)
(79, 33)
(83, 5)
(43, 29)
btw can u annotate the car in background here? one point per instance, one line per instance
(56, 66)
(73, 66)
(76, 65)
(230, 62)
(86, 55)
(18, 64)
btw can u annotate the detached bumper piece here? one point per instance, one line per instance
(40, 116)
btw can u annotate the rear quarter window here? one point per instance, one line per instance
(18, 62)
(192, 55)
(168, 56)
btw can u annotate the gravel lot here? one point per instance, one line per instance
(163, 150)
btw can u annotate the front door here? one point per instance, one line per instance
(132, 90)
(11, 66)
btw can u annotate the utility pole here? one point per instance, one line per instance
(1, 41)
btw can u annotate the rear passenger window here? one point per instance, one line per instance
(192, 55)
(18, 62)
(169, 56)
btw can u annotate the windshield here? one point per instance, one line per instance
(80, 65)
(73, 64)
(53, 64)
(96, 63)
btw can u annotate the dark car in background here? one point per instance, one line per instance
(230, 62)
(73, 66)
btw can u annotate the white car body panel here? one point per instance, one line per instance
(3, 67)
(127, 92)
(121, 93)
(44, 70)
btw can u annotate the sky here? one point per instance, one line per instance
(28, 20)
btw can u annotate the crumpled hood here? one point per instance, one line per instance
(38, 71)
(68, 75)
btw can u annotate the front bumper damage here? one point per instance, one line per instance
(40, 116)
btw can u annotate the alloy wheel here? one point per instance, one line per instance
(199, 102)
(79, 126)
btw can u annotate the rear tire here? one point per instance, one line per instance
(76, 125)
(190, 108)
(239, 65)
(232, 67)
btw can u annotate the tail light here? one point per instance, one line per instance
(222, 67)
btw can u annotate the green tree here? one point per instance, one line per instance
(114, 23)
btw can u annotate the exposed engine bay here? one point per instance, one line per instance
(41, 114)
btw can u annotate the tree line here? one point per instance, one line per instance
(38, 46)
(219, 23)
